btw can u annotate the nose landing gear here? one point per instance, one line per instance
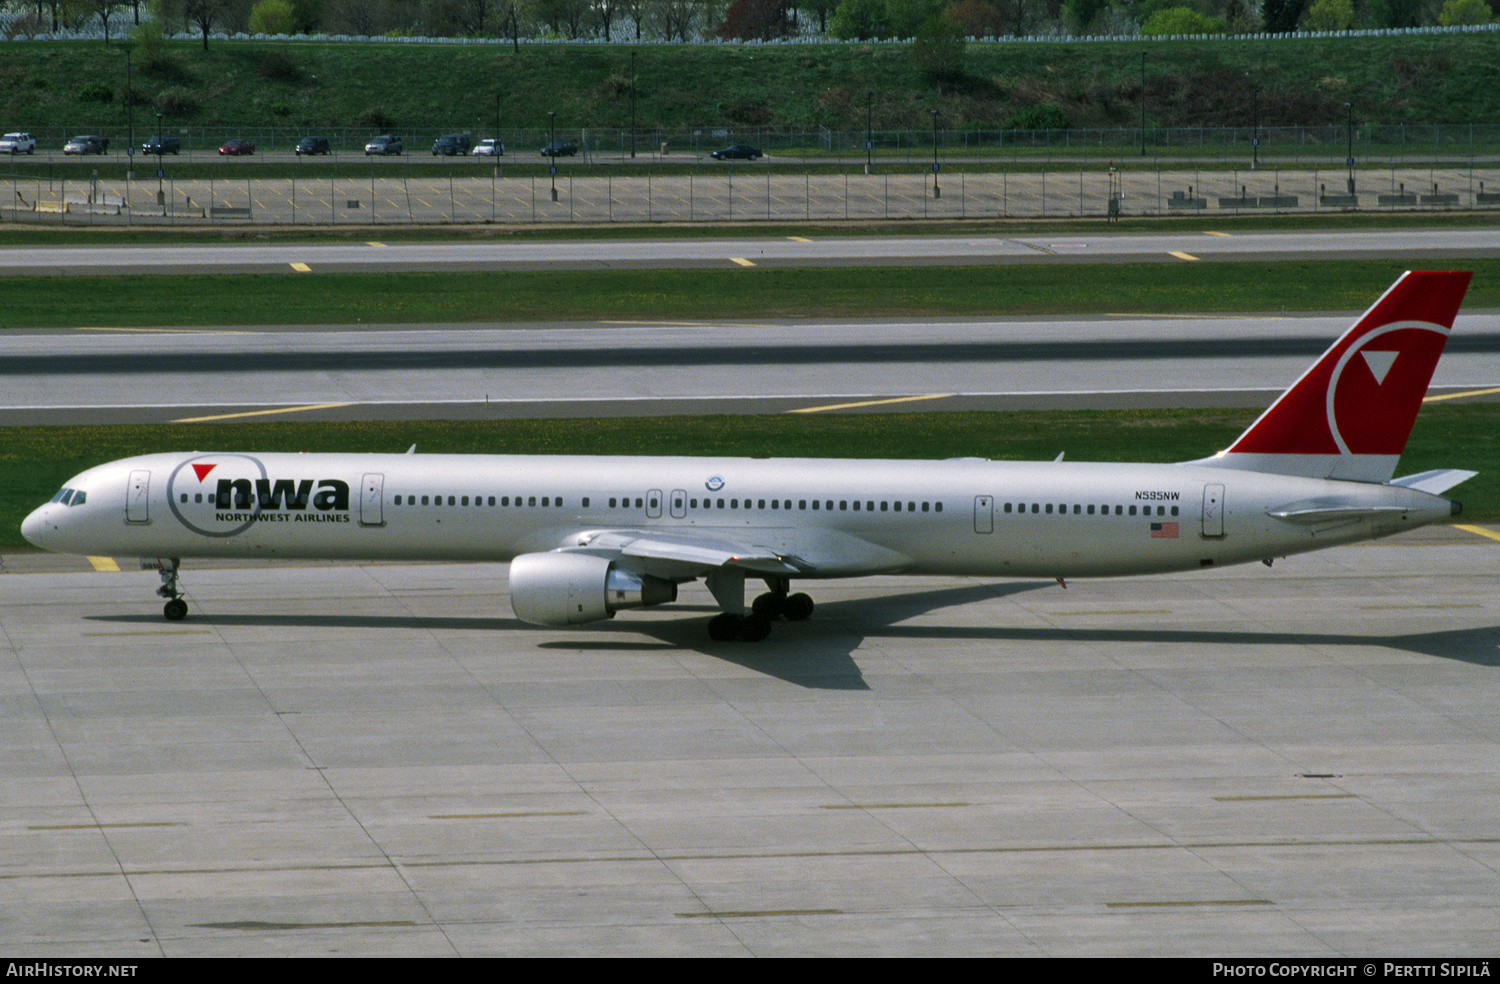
(175, 609)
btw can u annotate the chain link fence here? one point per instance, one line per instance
(806, 175)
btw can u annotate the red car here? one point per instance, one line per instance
(237, 147)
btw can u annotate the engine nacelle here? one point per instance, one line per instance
(568, 588)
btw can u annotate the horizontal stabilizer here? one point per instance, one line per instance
(1435, 482)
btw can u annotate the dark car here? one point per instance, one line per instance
(236, 147)
(162, 145)
(87, 145)
(313, 145)
(452, 145)
(739, 152)
(559, 148)
(384, 145)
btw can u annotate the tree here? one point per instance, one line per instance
(273, 17)
(856, 20)
(202, 14)
(1329, 15)
(757, 20)
(1081, 14)
(937, 52)
(1282, 15)
(979, 18)
(1181, 20)
(1456, 12)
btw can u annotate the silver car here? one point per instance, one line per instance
(384, 145)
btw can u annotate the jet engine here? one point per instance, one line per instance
(569, 588)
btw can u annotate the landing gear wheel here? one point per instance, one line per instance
(722, 628)
(175, 610)
(755, 628)
(797, 607)
(769, 604)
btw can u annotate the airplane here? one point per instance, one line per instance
(588, 536)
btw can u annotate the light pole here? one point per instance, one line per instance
(1143, 103)
(632, 104)
(1350, 160)
(936, 191)
(161, 195)
(1254, 127)
(552, 151)
(869, 127)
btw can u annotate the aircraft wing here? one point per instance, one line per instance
(785, 552)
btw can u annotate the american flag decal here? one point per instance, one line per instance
(1164, 531)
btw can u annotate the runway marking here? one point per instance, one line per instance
(872, 403)
(1217, 234)
(105, 564)
(302, 268)
(148, 632)
(1379, 608)
(1292, 796)
(508, 816)
(377, 245)
(751, 913)
(891, 806)
(174, 331)
(741, 261)
(1184, 256)
(799, 239)
(1459, 396)
(105, 826)
(1145, 905)
(1124, 611)
(259, 413)
(258, 924)
(1477, 530)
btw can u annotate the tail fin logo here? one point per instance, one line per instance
(1371, 406)
(1350, 414)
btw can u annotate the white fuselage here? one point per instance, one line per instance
(845, 517)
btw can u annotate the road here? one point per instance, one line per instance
(627, 369)
(1434, 245)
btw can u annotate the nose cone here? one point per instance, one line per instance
(32, 527)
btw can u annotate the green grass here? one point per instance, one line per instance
(317, 86)
(562, 295)
(92, 235)
(36, 461)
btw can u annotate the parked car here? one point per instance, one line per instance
(86, 145)
(160, 146)
(559, 148)
(313, 145)
(384, 145)
(452, 145)
(739, 152)
(489, 148)
(17, 143)
(236, 147)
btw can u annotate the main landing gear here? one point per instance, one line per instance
(175, 609)
(728, 588)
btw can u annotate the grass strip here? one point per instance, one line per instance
(36, 461)
(568, 295)
(25, 235)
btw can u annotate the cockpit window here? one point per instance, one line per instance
(70, 497)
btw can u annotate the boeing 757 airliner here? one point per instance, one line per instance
(589, 536)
